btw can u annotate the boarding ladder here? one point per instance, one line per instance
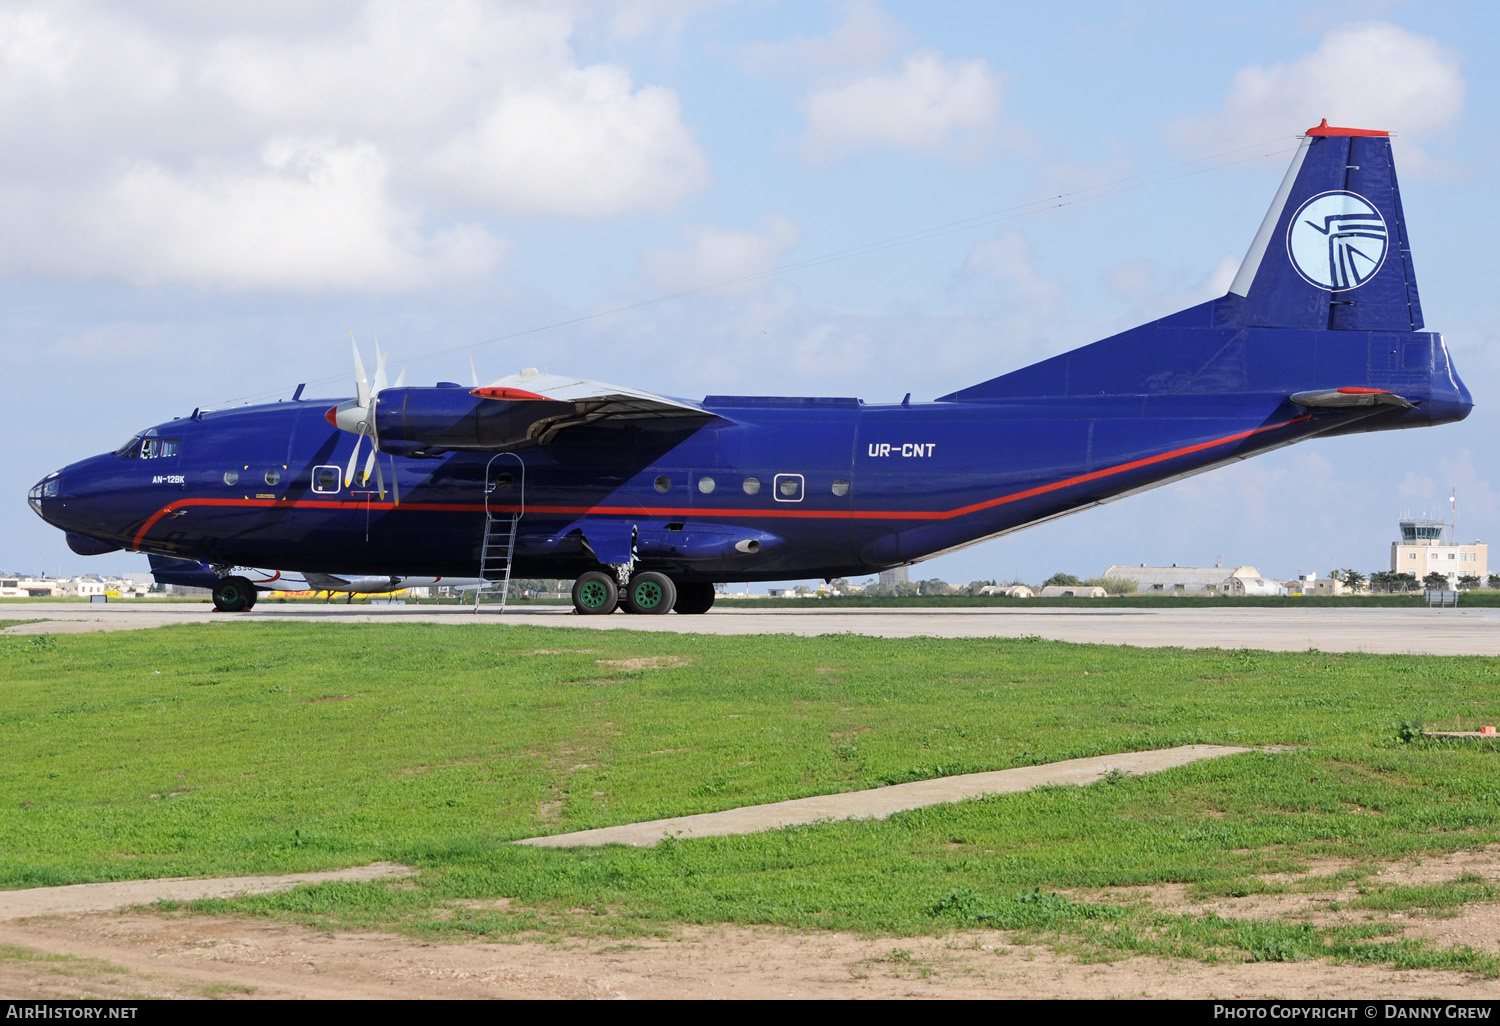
(500, 519)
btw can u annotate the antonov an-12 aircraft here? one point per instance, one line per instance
(647, 500)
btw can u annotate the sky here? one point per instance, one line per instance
(199, 202)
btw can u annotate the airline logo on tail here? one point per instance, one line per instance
(1337, 240)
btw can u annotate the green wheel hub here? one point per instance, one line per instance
(593, 594)
(648, 595)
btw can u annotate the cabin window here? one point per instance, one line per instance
(788, 488)
(326, 479)
(273, 477)
(706, 484)
(841, 487)
(231, 477)
(663, 483)
(751, 485)
(169, 446)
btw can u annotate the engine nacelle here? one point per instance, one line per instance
(415, 421)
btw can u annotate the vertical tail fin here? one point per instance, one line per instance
(1332, 251)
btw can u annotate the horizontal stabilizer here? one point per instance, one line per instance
(1339, 398)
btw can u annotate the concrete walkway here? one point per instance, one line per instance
(105, 897)
(880, 802)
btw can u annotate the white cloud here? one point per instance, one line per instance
(453, 101)
(865, 38)
(1006, 260)
(397, 66)
(713, 255)
(929, 103)
(1366, 75)
(1133, 280)
(582, 144)
(313, 215)
(661, 19)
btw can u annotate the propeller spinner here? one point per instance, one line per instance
(357, 416)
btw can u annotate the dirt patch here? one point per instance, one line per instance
(140, 955)
(668, 662)
(55, 944)
(1314, 897)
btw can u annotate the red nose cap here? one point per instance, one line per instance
(506, 393)
(332, 416)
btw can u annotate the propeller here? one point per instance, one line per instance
(357, 416)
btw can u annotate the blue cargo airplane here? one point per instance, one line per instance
(648, 500)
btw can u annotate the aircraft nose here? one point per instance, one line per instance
(49, 487)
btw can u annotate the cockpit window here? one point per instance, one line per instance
(148, 445)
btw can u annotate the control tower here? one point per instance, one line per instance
(1422, 551)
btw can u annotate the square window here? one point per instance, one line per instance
(326, 480)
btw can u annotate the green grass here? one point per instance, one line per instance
(5, 624)
(262, 748)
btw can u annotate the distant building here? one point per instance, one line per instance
(1195, 580)
(1073, 591)
(1421, 551)
(1007, 590)
(27, 587)
(1312, 584)
(891, 578)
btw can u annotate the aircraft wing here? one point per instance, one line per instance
(581, 401)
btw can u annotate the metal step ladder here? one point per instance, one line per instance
(498, 548)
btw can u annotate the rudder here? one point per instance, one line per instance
(1333, 251)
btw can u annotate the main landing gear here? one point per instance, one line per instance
(647, 593)
(233, 595)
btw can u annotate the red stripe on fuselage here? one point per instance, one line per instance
(672, 511)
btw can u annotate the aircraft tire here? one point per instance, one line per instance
(694, 597)
(233, 595)
(595, 594)
(650, 593)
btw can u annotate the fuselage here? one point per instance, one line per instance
(764, 489)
